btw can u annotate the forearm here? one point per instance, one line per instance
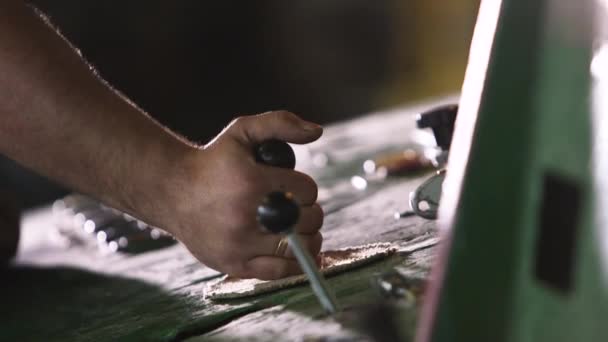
(58, 118)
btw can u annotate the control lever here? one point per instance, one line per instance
(278, 213)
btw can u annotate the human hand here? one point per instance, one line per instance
(220, 188)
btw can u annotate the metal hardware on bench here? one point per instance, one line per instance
(425, 200)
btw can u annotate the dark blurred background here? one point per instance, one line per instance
(194, 65)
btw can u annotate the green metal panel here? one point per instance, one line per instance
(530, 152)
(563, 145)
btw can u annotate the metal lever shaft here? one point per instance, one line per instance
(317, 282)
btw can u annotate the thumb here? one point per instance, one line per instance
(281, 125)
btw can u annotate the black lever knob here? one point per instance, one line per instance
(441, 120)
(275, 153)
(278, 212)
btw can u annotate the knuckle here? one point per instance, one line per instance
(311, 220)
(281, 271)
(319, 239)
(319, 216)
(311, 189)
(314, 193)
(238, 122)
(239, 270)
(264, 271)
(316, 243)
(284, 115)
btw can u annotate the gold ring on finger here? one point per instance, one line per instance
(281, 247)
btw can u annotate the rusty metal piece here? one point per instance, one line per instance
(406, 162)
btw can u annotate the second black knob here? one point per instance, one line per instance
(278, 212)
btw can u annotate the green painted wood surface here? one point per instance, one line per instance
(299, 317)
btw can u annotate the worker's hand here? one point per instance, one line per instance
(215, 213)
(9, 229)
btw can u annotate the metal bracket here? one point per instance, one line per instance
(424, 201)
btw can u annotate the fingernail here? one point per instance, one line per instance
(310, 126)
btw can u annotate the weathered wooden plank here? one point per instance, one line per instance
(302, 319)
(172, 284)
(73, 292)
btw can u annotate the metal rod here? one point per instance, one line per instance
(317, 282)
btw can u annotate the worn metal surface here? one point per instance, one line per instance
(56, 292)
